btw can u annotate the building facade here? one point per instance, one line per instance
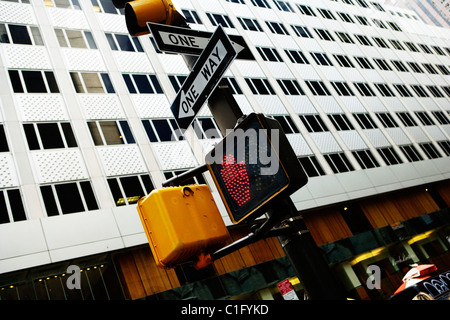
(361, 89)
(435, 12)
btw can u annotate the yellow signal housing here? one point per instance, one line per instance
(182, 224)
(139, 12)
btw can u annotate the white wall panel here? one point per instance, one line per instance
(59, 165)
(26, 57)
(41, 107)
(8, 175)
(101, 106)
(17, 13)
(122, 159)
(152, 105)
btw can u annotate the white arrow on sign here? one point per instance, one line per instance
(207, 70)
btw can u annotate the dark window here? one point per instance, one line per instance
(50, 136)
(338, 162)
(19, 34)
(34, 81)
(15, 81)
(69, 198)
(311, 166)
(365, 159)
(3, 141)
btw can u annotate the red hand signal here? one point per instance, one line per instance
(236, 179)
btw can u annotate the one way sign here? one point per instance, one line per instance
(218, 54)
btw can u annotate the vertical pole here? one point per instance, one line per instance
(305, 257)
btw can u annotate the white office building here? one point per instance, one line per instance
(361, 89)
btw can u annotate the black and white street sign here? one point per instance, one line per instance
(192, 42)
(218, 54)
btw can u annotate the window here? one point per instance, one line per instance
(343, 61)
(311, 166)
(277, 28)
(260, 3)
(435, 91)
(324, 34)
(379, 23)
(430, 150)
(206, 128)
(191, 16)
(259, 86)
(232, 85)
(384, 89)
(313, 123)
(344, 37)
(363, 40)
(429, 67)
(20, 34)
(250, 24)
(123, 42)
(443, 69)
(365, 120)
(362, 3)
(364, 89)
(415, 67)
(345, 17)
(67, 198)
(441, 117)
(142, 83)
(382, 64)
(445, 145)
(406, 119)
(318, 88)
(411, 46)
(105, 6)
(321, 59)
(411, 153)
(365, 159)
(424, 118)
(380, 42)
(364, 63)
(387, 120)
(438, 50)
(286, 123)
(338, 162)
(296, 56)
(396, 44)
(177, 82)
(75, 39)
(269, 54)
(378, 6)
(362, 20)
(283, 5)
(340, 122)
(66, 4)
(162, 130)
(342, 88)
(301, 31)
(419, 90)
(91, 82)
(393, 26)
(389, 155)
(11, 206)
(129, 189)
(306, 10)
(424, 48)
(3, 141)
(446, 90)
(326, 14)
(221, 19)
(49, 135)
(198, 179)
(399, 66)
(402, 90)
(29, 81)
(290, 87)
(110, 132)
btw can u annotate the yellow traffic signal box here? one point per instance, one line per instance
(182, 224)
